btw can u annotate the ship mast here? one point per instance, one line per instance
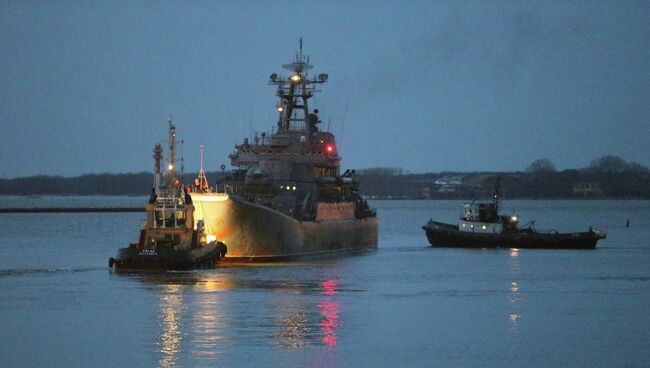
(497, 193)
(171, 139)
(163, 182)
(157, 155)
(203, 181)
(173, 182)
(294, 93)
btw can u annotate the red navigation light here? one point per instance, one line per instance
(329, 148)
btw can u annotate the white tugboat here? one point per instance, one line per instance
(170, 239)
(286, 197)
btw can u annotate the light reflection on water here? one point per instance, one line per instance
(171, 334)
(193, 321)
(296, 324)
(208, 320)
(190, 314)
(329, 309)
(514, 295)
(191, 311)
(292, 327)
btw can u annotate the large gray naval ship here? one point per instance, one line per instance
(286, 197)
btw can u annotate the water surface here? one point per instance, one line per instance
(405, 304)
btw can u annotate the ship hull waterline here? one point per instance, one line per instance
(255, 233)
(446, 235)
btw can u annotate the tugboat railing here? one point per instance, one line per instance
(169, 203)
(166, 212)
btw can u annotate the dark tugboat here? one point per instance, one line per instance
(286, 197)
(169, 239)
(481, 226)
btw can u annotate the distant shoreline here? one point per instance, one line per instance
(628, 182)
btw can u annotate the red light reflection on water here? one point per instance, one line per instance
(329, 309)
(329, 287)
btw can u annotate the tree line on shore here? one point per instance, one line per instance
(606, 177)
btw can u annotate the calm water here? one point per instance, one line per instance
(403, 305)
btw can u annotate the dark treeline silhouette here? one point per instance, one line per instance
(89, 184)
(605, 177)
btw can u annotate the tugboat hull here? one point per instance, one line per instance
(132, 259)
(257, 233)
(446, 235)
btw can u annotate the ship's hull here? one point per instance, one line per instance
(257, 233)
(446, 235)
(132, 259)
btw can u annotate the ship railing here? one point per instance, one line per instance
(232, 189)
(220, 188)
(169, 202)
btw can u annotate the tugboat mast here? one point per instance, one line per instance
(171, 139)
(497, 194)
(157, 155)
(294, 93)
(165, 182)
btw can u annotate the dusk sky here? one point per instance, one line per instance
(88, 86)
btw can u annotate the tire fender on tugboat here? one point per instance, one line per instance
(224, 250)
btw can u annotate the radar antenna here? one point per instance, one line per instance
(294, 93)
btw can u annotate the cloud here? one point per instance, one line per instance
(485, 43)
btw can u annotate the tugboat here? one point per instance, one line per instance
(169, 239)
(481, 226)
(286, 197)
